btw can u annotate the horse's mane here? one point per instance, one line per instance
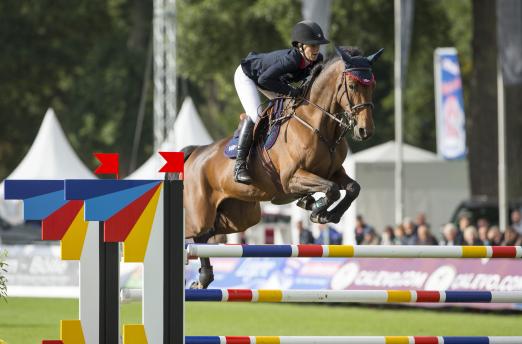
(318, 69)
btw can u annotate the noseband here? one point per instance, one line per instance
(353, 110)
(346, 119)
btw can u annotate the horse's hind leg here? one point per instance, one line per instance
(206, 271)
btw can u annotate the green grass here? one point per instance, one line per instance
(25, 320)
(28, 321)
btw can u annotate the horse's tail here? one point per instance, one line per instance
(186, 152)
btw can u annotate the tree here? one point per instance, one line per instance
(509, 35)
(482, 135)
(213, 36)
(370, 25)
(481, 122)
(86, 60)
(514, 139)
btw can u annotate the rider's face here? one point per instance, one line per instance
(311, 51)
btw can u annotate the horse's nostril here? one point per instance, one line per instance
(362, 132)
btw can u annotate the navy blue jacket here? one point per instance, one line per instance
(275, 70)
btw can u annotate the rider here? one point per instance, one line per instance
(272, 73)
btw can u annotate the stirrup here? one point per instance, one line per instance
(241, 175)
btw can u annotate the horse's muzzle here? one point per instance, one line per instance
(361, 134)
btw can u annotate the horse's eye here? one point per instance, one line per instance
(351, 86)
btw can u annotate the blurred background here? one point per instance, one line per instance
(135, 76)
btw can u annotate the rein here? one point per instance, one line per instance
(346, 119)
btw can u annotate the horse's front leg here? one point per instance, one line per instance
(352, 191)
(306, 182)
(306, 202)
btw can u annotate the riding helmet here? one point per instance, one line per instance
(308, 32)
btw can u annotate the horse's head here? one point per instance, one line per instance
(355, 90)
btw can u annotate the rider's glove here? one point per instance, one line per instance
(295, 92)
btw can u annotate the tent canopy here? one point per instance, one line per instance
(188, 130)
(50, 157)
(386, 153)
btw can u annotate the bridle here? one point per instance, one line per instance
(346, 119)
(353, 110)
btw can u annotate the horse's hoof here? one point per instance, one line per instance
(320, 218)
(306, 202)
(196, 285)
(334, 218)
(324, 217)
(324, 220)
(206, 276)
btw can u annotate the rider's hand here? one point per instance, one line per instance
(295, 92)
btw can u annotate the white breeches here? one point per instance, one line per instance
(248, 94)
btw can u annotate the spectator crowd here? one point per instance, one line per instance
(418, 232)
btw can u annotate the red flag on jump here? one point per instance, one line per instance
(175, 162)
(108, 163)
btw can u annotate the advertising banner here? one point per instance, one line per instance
(449, 105)
(38, 271)
(370, 274)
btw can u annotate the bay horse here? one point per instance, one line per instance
(306, 158)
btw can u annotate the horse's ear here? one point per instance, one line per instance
(346, 58)
(374, 57)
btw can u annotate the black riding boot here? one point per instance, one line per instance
(243, 148)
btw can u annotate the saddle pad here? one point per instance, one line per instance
(231, 147)
(271, 138)
(268, 139)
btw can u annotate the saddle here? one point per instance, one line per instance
(266, 130)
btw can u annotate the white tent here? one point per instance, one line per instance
(150, 168)
(50, 157)
(431, 185)
(386, 153)
(188, 130)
